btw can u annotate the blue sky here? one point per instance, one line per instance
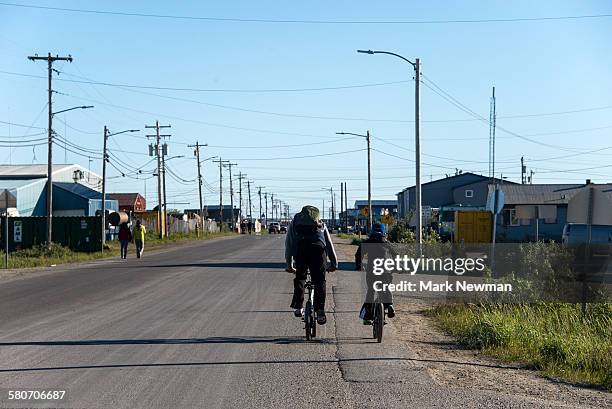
(539, 67)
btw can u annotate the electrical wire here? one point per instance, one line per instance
(304, 21)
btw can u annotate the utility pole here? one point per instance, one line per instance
(229, 165)
(259, 194)
(417, 148)
(50, 60)
(369, 183)
(345, 207)
(163, 158)
(6, 228)
(240, 177)
(155, 150)
(103, 211)
(272, 205)
(523, 170)
(266, 213)
(250, 203)
(221, 162)
(196, 153)
(341, 202)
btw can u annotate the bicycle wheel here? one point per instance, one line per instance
(379, 321)
(313, 327)
(308, 319)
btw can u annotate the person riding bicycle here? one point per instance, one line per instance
(308, 244)
(377, 235)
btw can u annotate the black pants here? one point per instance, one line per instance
(310, 257)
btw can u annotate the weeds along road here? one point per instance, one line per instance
(205, 325)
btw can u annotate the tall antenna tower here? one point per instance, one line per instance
(492, 117)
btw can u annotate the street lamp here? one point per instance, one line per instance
(50, 168)
(107, 134)
(417, 137)
(367, 136)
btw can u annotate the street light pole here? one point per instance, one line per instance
(104, 161)
(417, 135)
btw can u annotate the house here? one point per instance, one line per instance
(542, 208)
(212, 212)
(75, 199)
(130, 202)
(26, 185)
(467, 190)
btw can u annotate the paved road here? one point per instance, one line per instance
(204, 325)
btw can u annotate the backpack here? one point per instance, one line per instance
(308, 226)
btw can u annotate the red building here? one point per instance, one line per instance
(130, 202)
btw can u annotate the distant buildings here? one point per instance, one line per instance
(130, 202)
(76, 190)
(545, 203)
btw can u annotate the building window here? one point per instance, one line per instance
(469, 193)
(509, 218)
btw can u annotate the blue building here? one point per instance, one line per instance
(26, 186)
(541, 208)
(464, 191)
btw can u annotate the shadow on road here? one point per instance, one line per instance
(195, 364)
(169, 341)
(279, 362)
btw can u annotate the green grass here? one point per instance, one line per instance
(41, 256)
(553, 338)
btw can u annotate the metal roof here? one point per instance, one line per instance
(544, 193)
(37, 171)
(79, 190)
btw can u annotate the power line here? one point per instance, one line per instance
(228, 90)
(302, 21)
(300, 157)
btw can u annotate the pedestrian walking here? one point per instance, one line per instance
(139, 237)
(125, 236)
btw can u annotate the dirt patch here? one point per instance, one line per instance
(450, 364)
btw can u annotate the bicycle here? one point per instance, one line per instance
(310, 322)
(378, 321)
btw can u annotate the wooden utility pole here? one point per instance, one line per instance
(369, 183)
(240, 177)
(229, 165)
(259, 194)
(155, 150)
(103, 211)
(220, 162)
(196, 153)
(266, 213)
(50, 60)
(250, 203)
(341, 202)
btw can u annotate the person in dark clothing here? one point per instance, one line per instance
(250, 226)
(308, 244)
(125, 236)
(378, 235)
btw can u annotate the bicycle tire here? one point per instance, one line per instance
(379, 321)
(314, 328)
(308, 320)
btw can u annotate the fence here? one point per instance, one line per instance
(80, 233)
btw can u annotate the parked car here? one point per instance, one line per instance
(274, 227)
(283, 228)
(574, 234)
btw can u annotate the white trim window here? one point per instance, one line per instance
(469, 193)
